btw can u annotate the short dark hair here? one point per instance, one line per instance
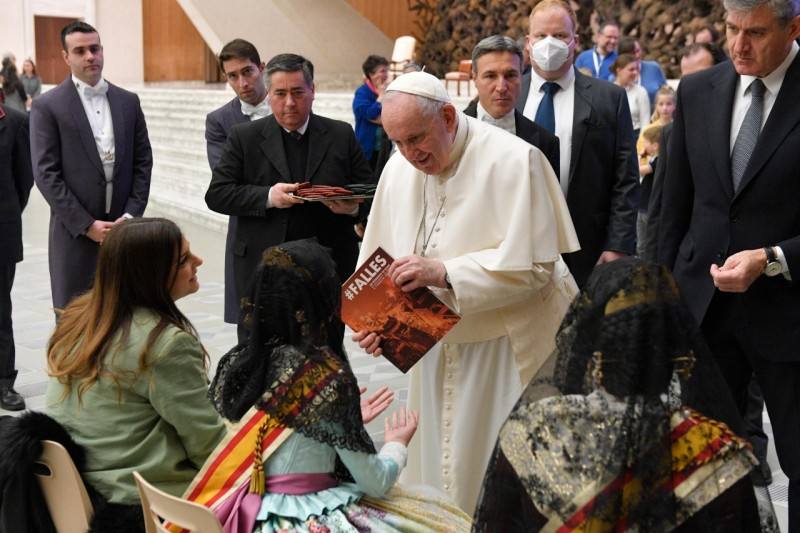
(372, 63)
(606, 23)
(716, 52)
(495, 43)
(627, 45)
(290, 63)
(75, 27)
(622, 61)
(238, 49)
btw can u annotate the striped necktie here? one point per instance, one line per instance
(748, 133)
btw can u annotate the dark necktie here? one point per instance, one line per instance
(296, 135)
(546, 115)
(748, 134)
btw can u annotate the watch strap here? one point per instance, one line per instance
(771, 255)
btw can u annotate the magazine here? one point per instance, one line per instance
(409, 323)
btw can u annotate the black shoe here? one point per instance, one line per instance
(11, 400)
(761, 475)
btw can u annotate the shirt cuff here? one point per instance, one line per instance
(782, 261)
(127, 216)
(396, 452)
(269, 198)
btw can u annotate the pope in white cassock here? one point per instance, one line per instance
(477, 215)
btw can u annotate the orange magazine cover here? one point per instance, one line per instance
(410, 323)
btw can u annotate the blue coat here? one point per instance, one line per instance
(652, 79)
(366, 108)
(586, 60)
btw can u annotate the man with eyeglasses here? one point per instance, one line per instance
(600, 58)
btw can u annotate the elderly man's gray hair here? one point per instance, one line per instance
(290, 63)
(495, 43)
(784, 10)
(428, 107)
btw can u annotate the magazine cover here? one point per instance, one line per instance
(410, 323)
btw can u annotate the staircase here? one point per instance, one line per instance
(176, 120)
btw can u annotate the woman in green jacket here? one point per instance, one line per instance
(128, 373)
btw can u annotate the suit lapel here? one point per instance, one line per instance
(318, 145)
(237, 117)
(82, 124)
(719, 106)
(524, 131)
(118, 123)
(582, 117)
(523, 95)
(783, 117)
(272, 146)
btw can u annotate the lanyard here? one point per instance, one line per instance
(597, 62)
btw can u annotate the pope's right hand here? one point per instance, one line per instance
(279, 195)
(369, 342)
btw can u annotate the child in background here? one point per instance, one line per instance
(662, 115)
(650, 140)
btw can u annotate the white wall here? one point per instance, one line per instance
(330, 33)
(120, 26)
(16, 22)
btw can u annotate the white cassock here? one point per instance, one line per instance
(498, 220)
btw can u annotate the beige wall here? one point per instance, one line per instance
(333, 35)
(16, 22)
(120, 26)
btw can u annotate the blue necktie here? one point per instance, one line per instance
(546, 115)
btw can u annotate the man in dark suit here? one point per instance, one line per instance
(599, 172)
(496, 64)
(263, 163)
(91, 161)
(244, 70)
(730, 221)
(16, 180)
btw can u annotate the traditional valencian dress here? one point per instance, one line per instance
(299, 458)
(498, 220)
(627, 427)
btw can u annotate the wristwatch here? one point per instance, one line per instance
(773, 266)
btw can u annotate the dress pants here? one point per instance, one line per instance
(7, 354)
(737, 352)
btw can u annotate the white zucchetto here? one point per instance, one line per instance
(420, 84)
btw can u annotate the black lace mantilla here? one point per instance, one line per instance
(293, 365)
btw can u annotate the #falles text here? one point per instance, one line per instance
(371, 274)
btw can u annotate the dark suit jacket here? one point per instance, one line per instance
(703, 220)
(254, 159)
(650, 244)
(69, 173)
(530, 132)
(218, 124)
(603, 172)
(16, 180)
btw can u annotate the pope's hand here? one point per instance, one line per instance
(279, 195)
(369, 342)
(413, 271)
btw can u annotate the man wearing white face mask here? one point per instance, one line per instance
(591, 118)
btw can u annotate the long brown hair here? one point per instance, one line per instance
(136, 268)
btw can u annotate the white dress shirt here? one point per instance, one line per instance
(741, 103)
(506, 122)
(98, 112)
(564, 107)
(255, 112)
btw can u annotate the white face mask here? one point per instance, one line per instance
(550, 53)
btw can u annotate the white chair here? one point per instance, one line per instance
(158, 505)
(63, 489)
(402, 54)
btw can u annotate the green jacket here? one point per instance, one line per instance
(158, 422)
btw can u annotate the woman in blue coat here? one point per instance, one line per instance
(367, 110)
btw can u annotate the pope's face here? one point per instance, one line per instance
(425, 141)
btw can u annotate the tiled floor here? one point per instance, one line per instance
(34, 321)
